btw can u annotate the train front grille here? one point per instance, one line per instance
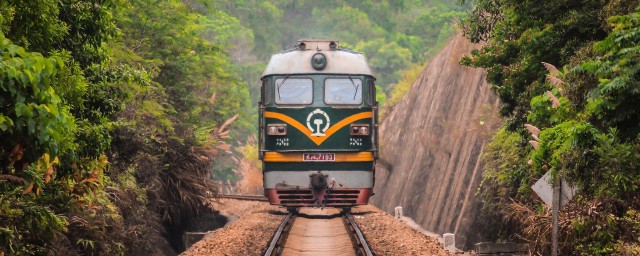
(305, 197)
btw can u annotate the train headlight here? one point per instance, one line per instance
(319, 61)
(359, 129)
(277, 129)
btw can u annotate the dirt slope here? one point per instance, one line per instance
(431, 143)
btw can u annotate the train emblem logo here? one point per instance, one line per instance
(320, 118)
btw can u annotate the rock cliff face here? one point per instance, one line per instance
(431, 145)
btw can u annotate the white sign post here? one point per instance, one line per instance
(554, 197)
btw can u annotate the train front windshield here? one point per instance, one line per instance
(336, 91)
(343, 91)
(294, 91)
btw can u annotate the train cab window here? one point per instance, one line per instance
(371, 99)
(343, 91)
(294, 91)
(263, 95)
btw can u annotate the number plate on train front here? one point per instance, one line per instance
(319, 157)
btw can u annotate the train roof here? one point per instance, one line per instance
(298, 60)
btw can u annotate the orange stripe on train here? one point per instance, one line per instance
(298, 157)
(318, 140)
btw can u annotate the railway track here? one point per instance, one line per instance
(314, 232)
(318, 232)
(245, 197)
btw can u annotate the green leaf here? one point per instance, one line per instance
(21, 110)
(5, 123)
(11, 72)
(31, 124)
(24, 78)
(13, 49)
(39, 65)
(48, 68)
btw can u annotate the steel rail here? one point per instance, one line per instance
(280, 237)
(260, 198)
(360, 244)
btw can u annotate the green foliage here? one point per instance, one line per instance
(33, 115)
(194, 82)
(614, 101)
(618, 164)
(344, 20)
(505, 169)
(558, 143)
(47, 26)
(136, 96)
(386, 58)
(589, 126)
(192, 66)
(393, 35)
(177, 119)
(522, 35)
(543, 111)
(33, 24)
(387, 32)
(114, 112)
(409, 77)
(249, 168)
(26, 223)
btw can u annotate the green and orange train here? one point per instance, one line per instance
(318, 127)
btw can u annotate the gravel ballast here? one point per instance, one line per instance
(248, 235)
(388, 236)
(256, 222)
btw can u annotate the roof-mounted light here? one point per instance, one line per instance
(333, 45)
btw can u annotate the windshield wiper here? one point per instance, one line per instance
(278, 86)
(354, 85)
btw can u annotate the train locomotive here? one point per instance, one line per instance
(318, 127)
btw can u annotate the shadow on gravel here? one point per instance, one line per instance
(319, 217)
(207, 221)
(274, 212)
(362, 213)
